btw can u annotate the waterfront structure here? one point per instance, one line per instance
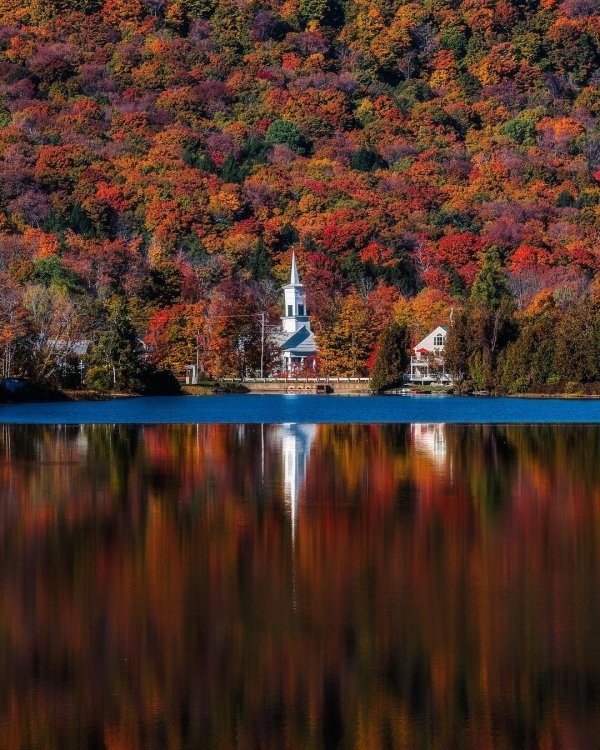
(427, 360)
(295, 339)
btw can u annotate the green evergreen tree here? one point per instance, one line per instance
(577, 354)
(391, 358)
(490, 287)
(520, 130)
(255, 151)
(366, 160)
(457, 348)
(529, 361)
(114, 361)
(287, 134)
(486, 327)
(198, 8)
(230, 171)
(477, 337)
(51, 271)
(323, 12)
(205, 163)
(259, 262)
(565, 199)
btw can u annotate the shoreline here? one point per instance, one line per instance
(67, 396)
(88, 396)
(555, 396)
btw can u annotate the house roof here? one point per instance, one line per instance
(78, 348)
(429, 338)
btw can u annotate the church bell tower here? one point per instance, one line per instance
(294, 314)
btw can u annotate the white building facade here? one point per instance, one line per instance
(296, 340)
(427, 361)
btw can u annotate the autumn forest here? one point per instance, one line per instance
(161, 159)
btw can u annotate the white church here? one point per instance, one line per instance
(296, 340)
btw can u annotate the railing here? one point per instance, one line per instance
(423, 361)
(420, 377)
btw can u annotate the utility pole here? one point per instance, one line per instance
(197, 357)
(262, 346)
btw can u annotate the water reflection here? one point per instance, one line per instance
(431, 439)
(296, 441)
(299, 586)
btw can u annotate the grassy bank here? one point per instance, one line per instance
(590, 396)
(31, 395)
(561, 390)
(210, 388)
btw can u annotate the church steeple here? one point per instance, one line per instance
(298, 345)
(294, 314)
(294, 278)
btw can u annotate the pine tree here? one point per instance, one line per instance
(490, 287)
(578, 343)
(230, 171)
(114, 362)
(458, 348)
(366, 160)
(391, 359)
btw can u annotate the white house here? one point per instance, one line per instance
(427, 360)
(295, 340)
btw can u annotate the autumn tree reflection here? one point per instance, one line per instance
(439, 587)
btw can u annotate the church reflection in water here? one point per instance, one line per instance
(295, 442)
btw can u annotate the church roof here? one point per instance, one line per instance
(301, 342)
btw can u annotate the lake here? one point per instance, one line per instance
(281, 409)
(335, 586)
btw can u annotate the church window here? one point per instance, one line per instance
(300, 309)
(290, 311)
(438, 340)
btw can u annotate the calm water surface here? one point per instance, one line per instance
(299, 586)
(256, 409)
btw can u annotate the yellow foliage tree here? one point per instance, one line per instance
(345, 347)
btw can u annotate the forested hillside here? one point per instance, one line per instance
(160, 159)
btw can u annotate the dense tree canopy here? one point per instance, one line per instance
(161, 150)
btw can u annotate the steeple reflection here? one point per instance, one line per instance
(296, 441)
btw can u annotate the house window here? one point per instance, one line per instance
(438, 340)
(300, 309)
(290, 311)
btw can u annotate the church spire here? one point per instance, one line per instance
(294, 300)
(294, 278)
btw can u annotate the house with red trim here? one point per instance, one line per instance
(427, 361)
